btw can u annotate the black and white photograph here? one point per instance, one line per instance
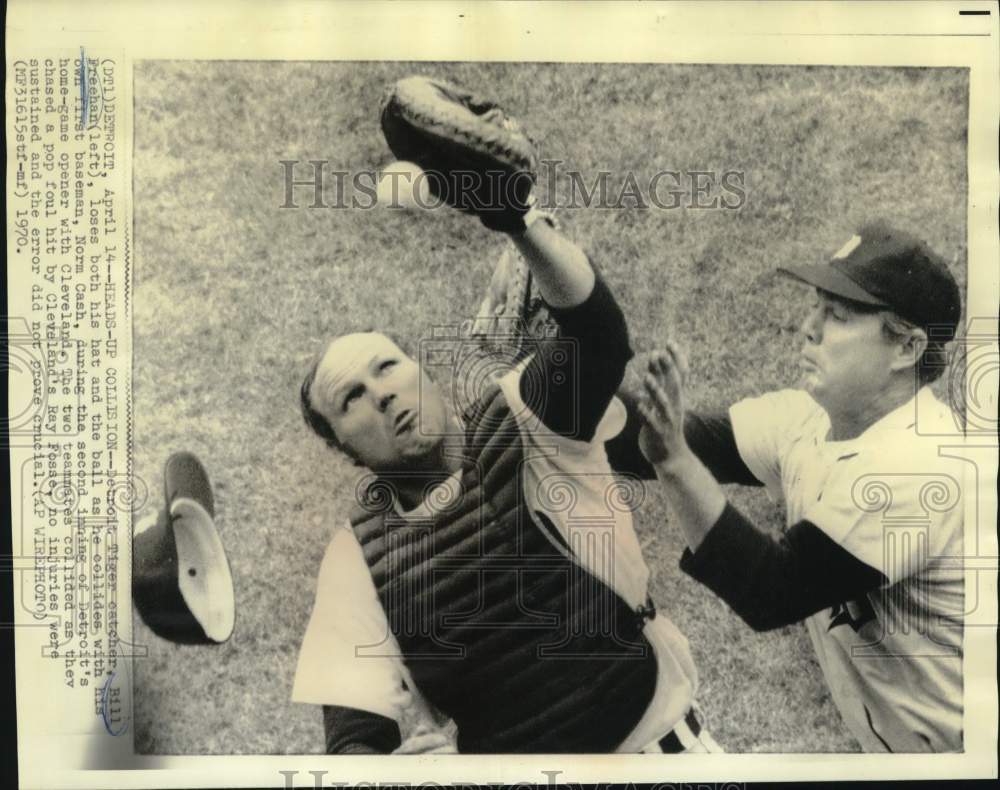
(503, 392)
(594, 461)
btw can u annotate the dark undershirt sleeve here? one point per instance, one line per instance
(353, 731)
(571, 379)
(710, 437)
(772, 582)
(624, 455)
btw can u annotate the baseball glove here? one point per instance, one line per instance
(476, 158)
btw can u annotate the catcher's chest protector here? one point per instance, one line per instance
(521, 646)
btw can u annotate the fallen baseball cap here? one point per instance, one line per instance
(887, 268)
(182, 586)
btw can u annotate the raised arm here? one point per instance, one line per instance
(478, 159)
(768, 581)
(561, 269)
(580, 370)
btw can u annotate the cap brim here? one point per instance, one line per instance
(182, 584)
(827, 278)
(205, 579)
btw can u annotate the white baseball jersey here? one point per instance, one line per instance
(349, 656)
(892, 658)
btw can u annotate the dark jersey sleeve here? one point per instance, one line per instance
(353, 731)
(710, 437)
(571, 379)
(775, 581)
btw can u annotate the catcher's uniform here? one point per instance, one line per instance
(521, 551)
(352, 657)
(892, 656)
(349, 656)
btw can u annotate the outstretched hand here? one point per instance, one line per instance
(662, 406)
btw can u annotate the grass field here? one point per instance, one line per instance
(234, 295)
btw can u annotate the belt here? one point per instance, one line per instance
(674, 741)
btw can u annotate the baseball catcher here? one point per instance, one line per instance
(490, 573)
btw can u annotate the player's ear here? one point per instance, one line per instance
(910, 348)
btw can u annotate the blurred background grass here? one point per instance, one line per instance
(233, 296)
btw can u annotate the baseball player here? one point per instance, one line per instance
(874, 509)
(464, 584)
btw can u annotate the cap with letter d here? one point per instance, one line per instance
(181, 581)
(883, 267)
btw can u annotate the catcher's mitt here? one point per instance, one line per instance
(476, 158)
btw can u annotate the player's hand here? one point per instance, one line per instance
(425, 740)
(662, 406)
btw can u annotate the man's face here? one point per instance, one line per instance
(846, 359)
(384, 409)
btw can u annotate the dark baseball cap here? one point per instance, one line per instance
(887, 268)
